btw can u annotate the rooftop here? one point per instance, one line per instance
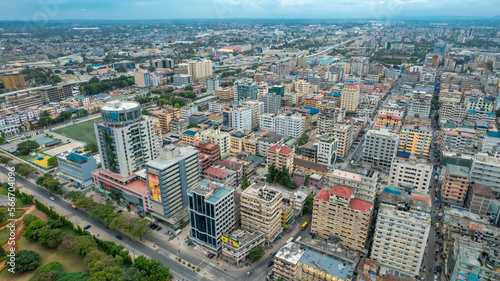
(290, 253)
(326, 264)
(119, 105)
(342, 191)
(281, 150)
(171, 156)
(457, 170)
(47, 141)
(213, 192)
(216, 172)
(481, 189)
(310, 165)
(339, 173)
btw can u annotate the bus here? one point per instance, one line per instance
(304, 225)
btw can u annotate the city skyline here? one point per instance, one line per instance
(31, 10)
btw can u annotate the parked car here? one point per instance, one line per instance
(249, 273)
(87, 227)
(119, 237)
(159, 228)
(270, 263)
(73, 207)
(52, 198)
(119, 211)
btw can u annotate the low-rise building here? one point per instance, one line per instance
(78, 166)
(237, 245)
(302, 177)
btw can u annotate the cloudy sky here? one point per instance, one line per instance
(223, 9)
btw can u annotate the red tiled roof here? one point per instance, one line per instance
(216, 172)
(341, 191)
(422, 197)
(282, 150)
(323, 195)
(360, 205)
(233, 165)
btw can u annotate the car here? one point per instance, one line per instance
(249, 273)
(435, 277)
(52, 198)
(51, 206)
(87, 227)
(119, 237)
(73, 207)
(119, 211)
(270, 263)
(37, 172)
(159, 228)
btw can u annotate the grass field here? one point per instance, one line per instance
(71, 262)
(9, 58)
(82, 131)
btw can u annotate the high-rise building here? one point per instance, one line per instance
(13, 82)
(350, 97)
(486, 170)
(267, 122)
(212, 85)
(343, 133)
(222, 139)
(183, 79)
(170, 176)
(261, 210)
(328, 117)
(379, 148)
(327, 150)
(225, 93)
(124, 65)
(57, 93)
(455, 185)
(415, 140)
(272, 103)
(242, 118)
(142, 79)
(280, 157)
(211, 208)
(163, 63)
(188, 110)
(166, 116)
(413, 174)
(200, 69)
(290, 125)
(401, 231)
(125, 138)
(257, 108)
(364, 184)
(278, 90)
(336, 213)
(243, 91)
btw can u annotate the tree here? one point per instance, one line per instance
(29, 218)
(145, 112)
(82, 245)
(193, 125)
(101, 211)
(203, 90)
(51, 266)
(2, 140)
(92, 147)
(256, 253)
(85, 203)
(52, 162)
(74, 195)
(52, 185)
(497, 113)
(122, 69)
(303, 139)
(308, 205)
(25, 147)
(56, 79)
(5, 160)
(70, 72)
(188, 88)
(33, 229)
(245, 184)
(177, 105)
(315, 123)
(50, 238)
(24, 169)
(26, 260)
(90, 69)
(132, 274)
(139, 228)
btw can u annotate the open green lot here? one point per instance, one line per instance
(83, 131)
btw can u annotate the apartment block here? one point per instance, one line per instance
(245, 91)
(236, 142)
(222, 139)
(379, 148)
(272, 103)
(212, 85)
(267, 141)
(268, 122)
(413, 174)
(452, 113)
(309, 151)
(328, 117)
(336, 213)
(257, 108)
(242, 118)
(480, 199)
(209, 153)
(261, 211)
(474, 263)
(350, 97)
(13, 82)
(166, 116)
(364, 184)
(188, 110)
(225, 93)
(200, 69)
(237, 245)
(280, 157)
(486, 170)
(56, 93)
(290, 125)
(344, 135)
(415, 140)
(327, 150)
(454, 139)
(455, 185)
(401, 231)
(142, 79)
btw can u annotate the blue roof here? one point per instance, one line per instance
(312, 110)
(239, 134)
(47, 141)
(222, 193)
(189, 132)
(332, 266)
(404, 154)
(392, 189)
(76, 157)
(337, 95)
(472, 111)
(81, 97)
(493, 134)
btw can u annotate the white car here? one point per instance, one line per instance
(435, 278)
(52, 198)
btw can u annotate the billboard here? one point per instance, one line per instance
(230, 240)
(154, 187)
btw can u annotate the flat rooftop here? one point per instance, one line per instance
(344, 174)
(171, 156)
(261, 191)
(325, 263)
(212, 191)
(120, 105)
(290, 253)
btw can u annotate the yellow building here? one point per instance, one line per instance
(250, 146)
(312, 102)
(386, 120)
(190, 136)
(225, 93)
(13, 82)
(236, 141)
(166, 116)
(338, 213)
(415, 140)
(287, 216)
(280, 157)
(349, 99)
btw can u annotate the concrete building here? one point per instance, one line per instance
(473, 263)
(183, 79)
(126, 65)
(211, 209)
(200, 69)
(125, 138)
(257, 108)
(480, 199)
(212, 85)
(243, 91)
(170, 176)
(226, 93)
(336, 213)
(452, 113)
(486, 170)
(491, 142)
(350, 97)
(415, 140)
(309, 151)
(268, 122)
(166, 63)
(401, 231)
(364, 184)
(453, 139)
(188, 110)
(222, 139)
(56, 93)
(328, 117)
(142, 79)
(455, 185)
(379, 148)
(242, 118)
(216, 106)
(413, 174)
(78, 166)
(166, 116)
(261, 211)
(290, 125)
(272, 103)
(280, 157)
(327, 150)
(267, 141)
(178, 125)
(344, 134)
(236, 142)
(237, 245)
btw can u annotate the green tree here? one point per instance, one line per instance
(51, 266)
(25, 147)
(101, 211)
(32, 231)
(92, 147)
(497, 113)
(5, 160)
(70, 72)
(145, 112)
(193, 125)
(85, 203)
(132, 274)
(29, 218)
(74, 195)
(82, 245)
(177, 105)
(256, 253)
(245, 184)
(24, 169)
(188, 88)
(50, 238)
(52, 162)
(308, 204)
(2, 140)
(56, 79)
(73, 276)
(203, 90)
(52, 185)
(90, 69)
(122, 69)
(138, 228)
(26, 260)
(303, 139)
